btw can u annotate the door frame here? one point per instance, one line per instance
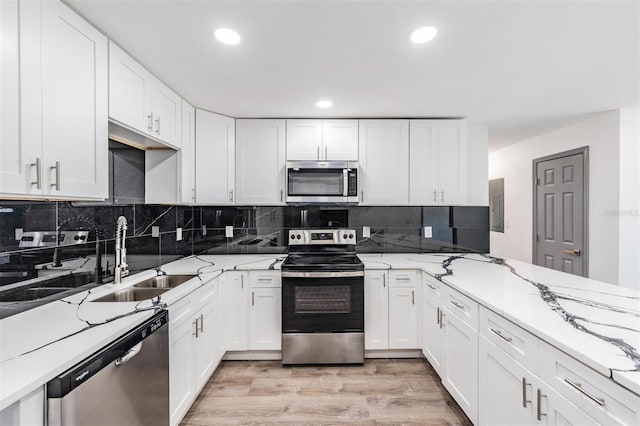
(585, 203)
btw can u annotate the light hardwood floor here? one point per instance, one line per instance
(381, 392)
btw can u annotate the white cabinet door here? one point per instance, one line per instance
(215, 158)
(461, 363)
(265, 319)
(304, 140)
(129, 91)
(506, 392)
(16, 153)
(186, 155)
(340, 140)
(424, 163)
(376, 310)
(236, 288)
(403, 318)
(452, 158)
(384, 162)
(206, 343)
(181, 369)
(74, 104)
(166, 106)
(555, 410)
(432, 333)
(260, 161)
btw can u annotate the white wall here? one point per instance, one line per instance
(477, 165)
(514, 163)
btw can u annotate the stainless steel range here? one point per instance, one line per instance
(322, 299)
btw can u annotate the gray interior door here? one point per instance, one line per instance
(560, 215)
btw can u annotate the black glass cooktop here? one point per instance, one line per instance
(322, 262)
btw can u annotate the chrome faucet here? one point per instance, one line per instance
(121, 269)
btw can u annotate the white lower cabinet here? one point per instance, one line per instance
(432, 333)
(404, 300)
(236, 310)
(181, 369)
(206, 343)
(376, 310)
(265, 311)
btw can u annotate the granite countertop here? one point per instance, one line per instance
(596, 323)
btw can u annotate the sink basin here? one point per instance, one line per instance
(164, 281)
(132, 295)
(45, 288)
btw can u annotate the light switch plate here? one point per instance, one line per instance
(228, 231)
(18, 232)
(204, 230)
(428, 233)
(178, 234)
(155, 231)
(366, 231)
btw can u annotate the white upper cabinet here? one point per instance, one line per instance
(186, 155)
(62, 151)
(384, 162)
(260, 161)
(438, 162)
(215, 158)
(322, 140)
(140, 101)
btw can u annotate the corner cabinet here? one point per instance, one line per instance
(438, 157)
(141, 102)
(322, 140)
(260, 162)
(61, 150)
(214, 158)
(384, 162)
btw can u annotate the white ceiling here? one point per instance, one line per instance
(522, 68)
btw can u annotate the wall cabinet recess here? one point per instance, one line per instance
(384, 162)
(376, 310)
(141, 102)
(63, 100)
(322, 140)
(260, 162)
(438, 162)
(215, 158)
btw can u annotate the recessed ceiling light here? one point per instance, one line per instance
(324, 104)
(423, 35)
(227, 36)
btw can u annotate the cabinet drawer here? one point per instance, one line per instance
(265, 279)
(465, 308)
(522, 346)
(597, 395)
(402, 278)
(433, 288)
(179, 312)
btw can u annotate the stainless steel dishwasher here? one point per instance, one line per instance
(125, 383)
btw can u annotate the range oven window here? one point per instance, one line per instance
(320, 182)
(334, 299)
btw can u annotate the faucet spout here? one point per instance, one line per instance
(121, 268)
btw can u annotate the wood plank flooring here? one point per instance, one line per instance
(381, 392)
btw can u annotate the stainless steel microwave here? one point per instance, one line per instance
(327, 182)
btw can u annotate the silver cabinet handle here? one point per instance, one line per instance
(281, 195)
(57, 169)
(150, 124)
(457, 305)
(362, 196)
(231, 195)
(195, 323)
(193, 192)
(539, 412)
(317, 152)
(128, 355)
(253, 298)
(438, 313)
(578, 386)
(157, 126)
(500, 335)
(432, 287)
(326, 156)
(572, 252)
(241, 281)
(413, 297)
(38, 166)
(201, 323)
(401, 278)
(441, 318)
(434, 195)
(442, 196)
(384, 280)
(525, 401)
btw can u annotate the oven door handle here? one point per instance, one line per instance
(291, 274)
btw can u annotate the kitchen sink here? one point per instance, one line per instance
(132, 295)
(164, 281)
(45, 288)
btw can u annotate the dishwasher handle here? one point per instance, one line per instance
(131, 353)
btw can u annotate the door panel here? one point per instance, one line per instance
(560, 214)
(304, 139)
(340, 140)
(376, 310)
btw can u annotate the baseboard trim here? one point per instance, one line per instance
(277, 355)
(394, 353)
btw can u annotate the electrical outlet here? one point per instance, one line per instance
(366, 231)
(178, 234)
(228, 231)
(155, 231)
(18, 233)
(428, 233)
(204, 230)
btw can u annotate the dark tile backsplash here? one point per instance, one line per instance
(256, 229)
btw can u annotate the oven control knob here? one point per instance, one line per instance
(344, 236)
(298, 236)
(293, 237)
(351, 236)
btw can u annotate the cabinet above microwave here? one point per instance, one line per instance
(312, 182)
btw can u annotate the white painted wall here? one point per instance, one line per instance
(629, 211)
(477, 165)
(514, 163)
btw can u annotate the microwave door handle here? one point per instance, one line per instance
(345, 185)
